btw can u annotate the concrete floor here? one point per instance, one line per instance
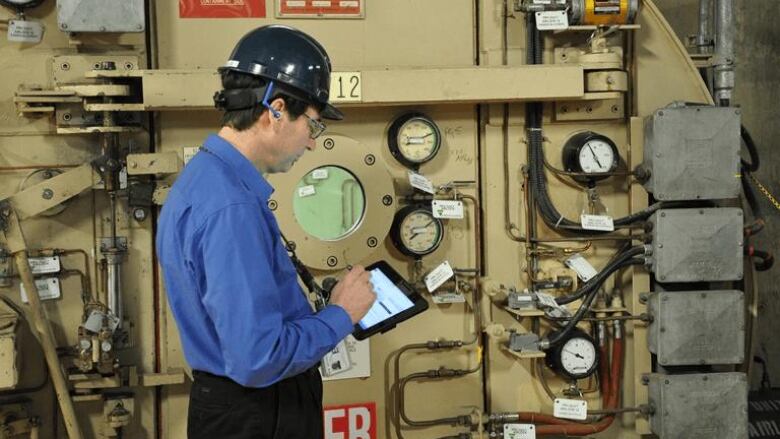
(758, 93)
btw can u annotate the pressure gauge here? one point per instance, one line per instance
(414, 139)
(415, 231)
(576, 357)
(20, 4)
(590, 153)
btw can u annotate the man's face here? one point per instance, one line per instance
(293, 138)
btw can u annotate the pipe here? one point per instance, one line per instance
(704, 39)
(46, 337)
(114, 259)
(724, 52)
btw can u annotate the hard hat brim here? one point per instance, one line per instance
(331, 112)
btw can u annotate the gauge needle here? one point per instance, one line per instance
(414, 235)
(595, 157)
(575, 354)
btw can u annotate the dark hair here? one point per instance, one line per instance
(243, 119)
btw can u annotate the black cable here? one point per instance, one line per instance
(750, 145)
(585, 307)
(612, 266)
(765, 260)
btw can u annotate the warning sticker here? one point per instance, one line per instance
(221, 8)
(320, 8)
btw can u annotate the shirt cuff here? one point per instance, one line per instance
(338, 319)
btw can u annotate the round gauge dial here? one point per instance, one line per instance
(415, 231)
(590, 153)
(576, 357)
(414, 139)
(20, 4)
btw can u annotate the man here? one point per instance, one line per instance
(247, 330)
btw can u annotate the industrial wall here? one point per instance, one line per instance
(574, 221)
(757, 83)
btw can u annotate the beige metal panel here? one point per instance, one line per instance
(481, 85)
(664, 72)
(394, 33)
(168, 90)
(156, 163)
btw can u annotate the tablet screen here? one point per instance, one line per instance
(390, 300)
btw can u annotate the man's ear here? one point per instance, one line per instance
(277, 108)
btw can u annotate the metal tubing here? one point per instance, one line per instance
(704, 39)
(114, 284)
(46, 337)
(724, 52)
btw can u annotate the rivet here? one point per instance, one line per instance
(48, 194)
(272, 204)
(332, 261)
(329, 143)
(369, 159)
(387, 200)
(372, 242)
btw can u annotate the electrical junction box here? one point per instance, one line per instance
(692, 153)
(101, 15)
(699, 406)
(697, 327)
(697, 245)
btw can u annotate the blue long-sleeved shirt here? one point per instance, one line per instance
(231, 285)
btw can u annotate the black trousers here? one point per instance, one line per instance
(220, 408)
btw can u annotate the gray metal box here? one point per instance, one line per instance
(101, 15)
(699, 406)
(695, 245)
(697, 327)
(692, 153)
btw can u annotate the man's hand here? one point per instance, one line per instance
(354, 293)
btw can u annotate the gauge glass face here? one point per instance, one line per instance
(420, 232)
(578, 356)
(20, 2)
(596, 156)
(418, 140)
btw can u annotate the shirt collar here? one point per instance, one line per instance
(251, 177)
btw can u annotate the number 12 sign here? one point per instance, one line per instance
(346, 87)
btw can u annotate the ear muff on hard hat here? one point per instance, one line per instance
(285, 56)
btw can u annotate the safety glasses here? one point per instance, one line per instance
(316, 127)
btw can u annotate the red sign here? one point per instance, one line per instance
(320, 8)
(356, 421)
(221, 8)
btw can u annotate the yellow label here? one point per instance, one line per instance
(346, 87)
(600, 12)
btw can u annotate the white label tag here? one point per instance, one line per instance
(48, 289)
(576, 409)
(582, 267)
(552, 20)
(441, 298)
(296, 3)
(319, 174)
(306, 191)
(359, 354)
(321, 3)
(438, 276)
(519, 431)
(447, 209)
(21, 31)
(188, 152)
(597, 222)
(420, 182)
(542, 2)
(336, 361)
(45, 265)
(349, 4)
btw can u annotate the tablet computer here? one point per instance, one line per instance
(396, 301)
